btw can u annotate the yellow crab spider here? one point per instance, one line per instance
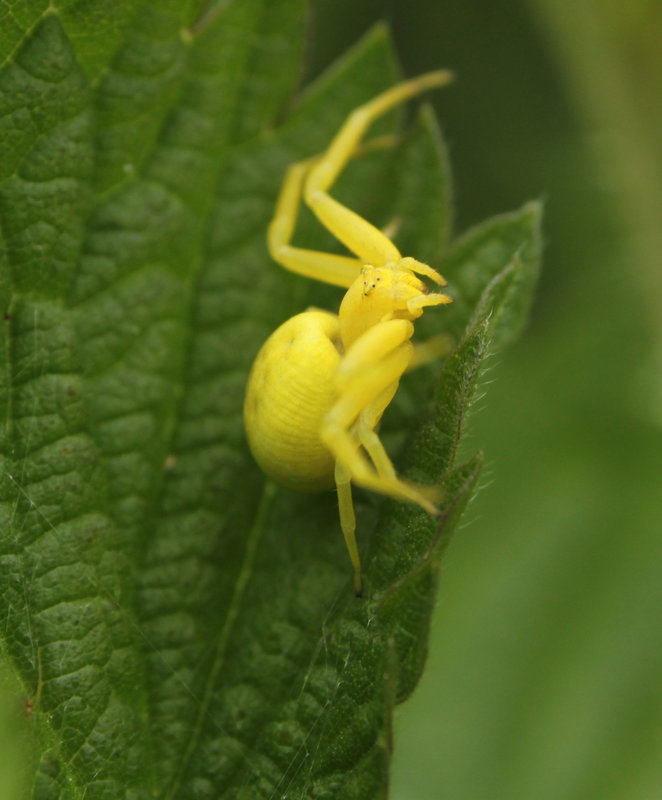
(322, 381)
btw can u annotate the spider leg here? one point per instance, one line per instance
(345, 447)
(365, 430)
(348, 522)
(334, 269)
(385, 469)
(360, 236)
(367, 378)
(432, 349)
(382, 463)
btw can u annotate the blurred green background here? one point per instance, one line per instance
(545, 671)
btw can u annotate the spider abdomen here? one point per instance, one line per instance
(290, 390)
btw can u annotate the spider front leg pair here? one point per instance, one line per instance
(321, 382)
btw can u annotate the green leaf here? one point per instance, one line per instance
(482, 254)
(181, 627)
